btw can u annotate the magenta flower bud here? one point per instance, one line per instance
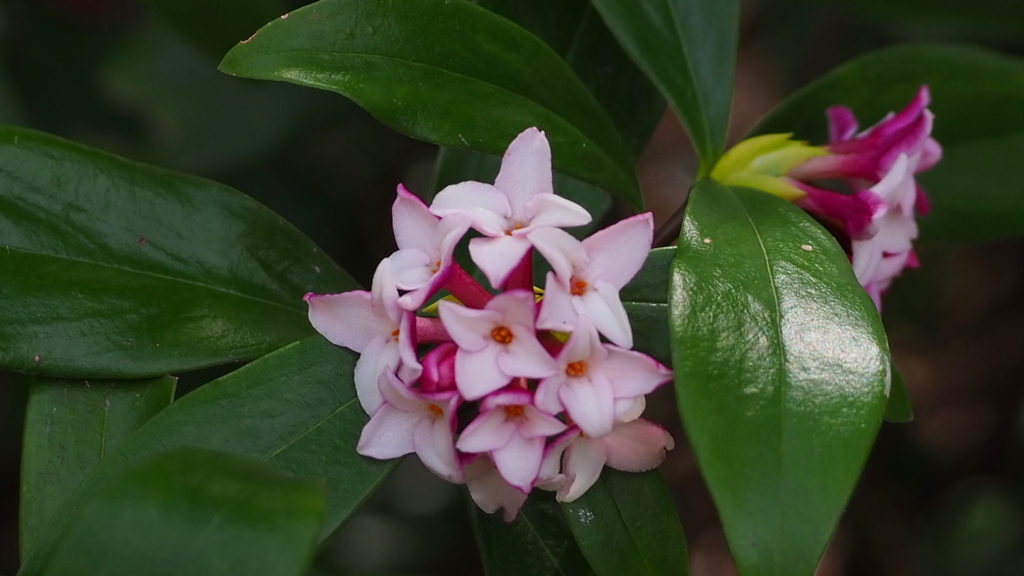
(439, 369)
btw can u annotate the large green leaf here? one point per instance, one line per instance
(646, 301)
(574, 30)
(216, 25)
(194, 512)
(627, 524)
(976, 191)
(69, 427)
(782, 371)
(117, 269)
(688, 48)
(450, 73)
(538, 542)
(898, 408)
(295, 408)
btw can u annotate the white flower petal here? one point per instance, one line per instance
(519, 461)
(497, 257)
(488, 431)
(525, 356)
(633, 374)
(582, 466)
(412, 221)
(477, 373)
(484, 205)
(590, 403)
(347, 319)
(564, 253)
(435, 447)
(388, 434)
(619, 251)
(378, 357)
(556, 308)
(602, 306)
(412, 267)
(553, 210)
(469, 328)
(490, 491)
(525, 170)
(637, 446)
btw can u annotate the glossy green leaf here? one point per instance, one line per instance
(216, 25)
(295, 408)
(450, 73)
(627, 524)
(538, 542)
(195, 512)
(975, 190)
(688, 48)
(117, 269)
(782, 370)
(69, 427)
(575, 31)
(646, 301)
(898, 408)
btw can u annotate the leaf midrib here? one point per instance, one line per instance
(154, 275)
(782, 362)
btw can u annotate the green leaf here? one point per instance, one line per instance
(216, 25)
(295, 408)
(574, 30)
(627, 524)
(69, 427)
(117, 269)
(979, 122)
(538, 542)
(898, 408)
(194, 512)
(688, 48)
(449, 73)
(646, 301)
(781, 368)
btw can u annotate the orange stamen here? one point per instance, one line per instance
(578, 287)
(502, 335)
(435, 410)
(576, 369)
(513, 411)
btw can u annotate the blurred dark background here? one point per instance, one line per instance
(942, 495)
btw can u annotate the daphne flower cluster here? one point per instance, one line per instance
(875, 221)
(502, 391)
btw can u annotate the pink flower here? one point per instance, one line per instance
(588, 275)
(634, 446)
(522, 199)
(513, 432)
(597, 382)
(373, 324)
(423, 261)
(409, 422)
(439, 369)
(490, 491)
(496, 344)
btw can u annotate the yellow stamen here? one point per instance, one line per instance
(576, 369)
(502, 335)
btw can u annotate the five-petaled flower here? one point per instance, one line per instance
(485, 392)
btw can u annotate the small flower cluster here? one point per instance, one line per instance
(875, 221)
(503, 392)
(878, 165)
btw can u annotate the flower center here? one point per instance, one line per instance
(394, 335)
(502, 335)
(435, 410)
(436, 267)
(577, 287)
(517, 227)
(576, 369)
(513, 411)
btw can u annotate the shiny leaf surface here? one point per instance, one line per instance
(627, 524)
(449, 73)
(782, 371)
(975, 190)
(538, 542)
(688, 49)
(70, 426)
(195, 512)
(117, 269)
(295, 408)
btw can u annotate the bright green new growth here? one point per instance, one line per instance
(761, 161)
